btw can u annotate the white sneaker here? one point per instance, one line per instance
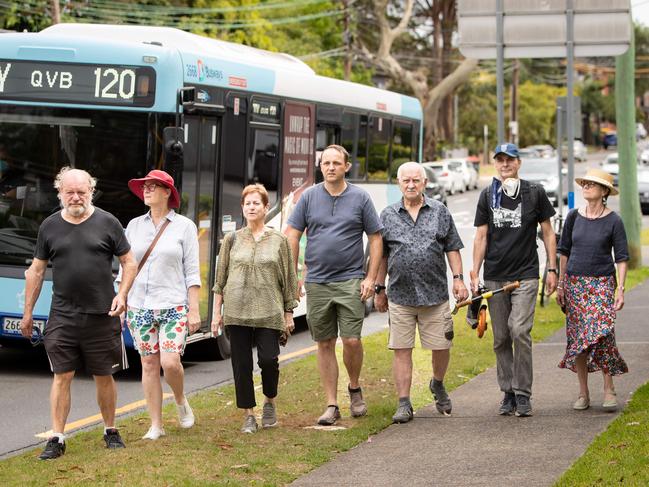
(185, 415)
(154, 433)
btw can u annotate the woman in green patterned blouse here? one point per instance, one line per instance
(256, 283)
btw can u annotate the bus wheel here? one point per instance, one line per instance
(216, 348)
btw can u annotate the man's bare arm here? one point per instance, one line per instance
(34, 277)
(129, 271)
(479, 251)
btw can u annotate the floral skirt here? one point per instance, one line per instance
(590, 324)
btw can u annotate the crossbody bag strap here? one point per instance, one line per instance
(150, 249)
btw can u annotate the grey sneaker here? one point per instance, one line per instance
(357, 404)
(268, 416)
(249, 425)
(508, 404)
(330, 416)
(404, 413)
(523, 406)
(442, 401)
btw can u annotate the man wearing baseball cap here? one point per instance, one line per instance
(507, 216)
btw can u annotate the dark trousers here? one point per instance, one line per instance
(242, 339)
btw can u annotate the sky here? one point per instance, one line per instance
(640, 11)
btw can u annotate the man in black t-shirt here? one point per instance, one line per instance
(506, 219)
(83, 328)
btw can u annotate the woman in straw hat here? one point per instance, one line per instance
(163, 304)
(588, 288)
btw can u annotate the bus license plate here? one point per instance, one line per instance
(11, 326)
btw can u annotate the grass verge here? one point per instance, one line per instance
(215, 453)
(619, 455)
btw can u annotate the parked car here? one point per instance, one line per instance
(644, 157)
(544, 150)
(611, 166)
(609, 139)
(579, 151)
(546, 173)
(434, 189)
(469, 174)
(643, 189)
(528, 152)
(448, 174)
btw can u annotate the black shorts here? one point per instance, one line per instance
(77, 340)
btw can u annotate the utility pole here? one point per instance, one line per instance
(56, 12)
(347, 38)
(625, 117)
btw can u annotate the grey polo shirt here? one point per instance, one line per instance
(335, 226)
(416, 252)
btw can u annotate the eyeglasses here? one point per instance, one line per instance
(589, 184)
(150, 187)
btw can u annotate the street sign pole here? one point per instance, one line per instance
(500, 76)
(570, 129)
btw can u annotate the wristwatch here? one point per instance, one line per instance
(553, 270)
(458, 276)
(378, 288)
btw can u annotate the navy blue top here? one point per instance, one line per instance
(416, 252)
(335, 226)
(588, 246)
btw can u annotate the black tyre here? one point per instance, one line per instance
(216, 348)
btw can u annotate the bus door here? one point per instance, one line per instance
(199, 195)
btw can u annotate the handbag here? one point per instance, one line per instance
(150, 249)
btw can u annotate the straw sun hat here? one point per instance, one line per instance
(600, 177)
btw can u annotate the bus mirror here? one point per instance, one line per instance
(173, 150)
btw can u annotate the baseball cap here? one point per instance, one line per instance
(509, 149)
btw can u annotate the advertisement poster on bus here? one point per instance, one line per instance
(298, 163)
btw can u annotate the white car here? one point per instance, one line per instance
(545, 150)
(644, 157)
(469, 174)
(579, 150)
(448, 174)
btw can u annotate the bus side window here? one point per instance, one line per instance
(263, 167)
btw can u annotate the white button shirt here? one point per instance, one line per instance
(173, 266)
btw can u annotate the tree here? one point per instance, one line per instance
(432, 83)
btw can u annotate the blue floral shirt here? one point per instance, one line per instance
(416, 252)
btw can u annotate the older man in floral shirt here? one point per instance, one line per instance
(418, 233)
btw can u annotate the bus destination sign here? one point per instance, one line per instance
(95, 84)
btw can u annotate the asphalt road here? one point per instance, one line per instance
(25, 377)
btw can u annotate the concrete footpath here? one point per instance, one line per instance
(475, 446)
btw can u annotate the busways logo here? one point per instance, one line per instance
(203, 72)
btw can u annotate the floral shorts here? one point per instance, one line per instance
(158, 329)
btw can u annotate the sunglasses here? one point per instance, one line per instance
(589, 184)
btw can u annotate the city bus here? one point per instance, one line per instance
(119, 101)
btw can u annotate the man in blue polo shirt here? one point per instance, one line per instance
(335, 215)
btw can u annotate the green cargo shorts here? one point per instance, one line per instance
(334, 306)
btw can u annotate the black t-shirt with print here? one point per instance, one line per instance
(511, 238)
(81, 256)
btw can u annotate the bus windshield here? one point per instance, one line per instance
(36, 142)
